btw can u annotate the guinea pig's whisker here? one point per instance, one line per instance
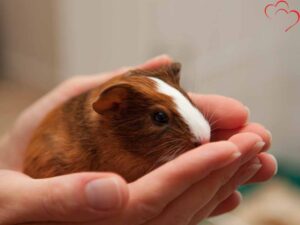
(157, 162)
(213, 130)
(173, 152)
(206, 113)
(176, 153)
(166, 156)
(167, 151)
(211, 116)
(182, 132)
(164, 145)
(213, 123)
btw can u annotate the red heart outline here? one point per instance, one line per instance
(275, 5)
(290, 12)
(287, 11)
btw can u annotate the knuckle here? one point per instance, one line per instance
(54, 204)
(147, 210)
(51, 205)
(250, 135)
(219, 197)
(225, 192)
(73, 80)
(225, 178)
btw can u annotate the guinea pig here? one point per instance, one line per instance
(129, 125)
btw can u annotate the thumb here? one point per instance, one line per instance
(75, 197)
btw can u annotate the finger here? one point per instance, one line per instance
(268, 170)
(199, 194)
(251, 127)
(229, 204)
(76, 197)
(196, 197)
(242, 141)
(156, 62)
(222, 112)
(249, 144)
(244, 174)
(173, 178)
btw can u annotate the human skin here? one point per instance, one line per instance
(198, 184)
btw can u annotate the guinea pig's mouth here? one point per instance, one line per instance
(197, 142)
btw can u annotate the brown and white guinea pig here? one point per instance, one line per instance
(129, 125)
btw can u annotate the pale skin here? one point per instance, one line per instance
(192, 187)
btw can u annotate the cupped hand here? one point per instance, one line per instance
(197, 184)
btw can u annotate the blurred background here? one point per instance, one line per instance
(225, 47)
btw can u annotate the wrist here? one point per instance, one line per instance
(8, 157)
(4, 146)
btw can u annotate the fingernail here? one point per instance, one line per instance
(103, 194)
(250, 172)
(126, 68)
(258, 146)
(276, 164)
(270, 135)
(240, 195)
(160, 56)
(248, 111)
(236, 155)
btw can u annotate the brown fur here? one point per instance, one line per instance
(110, 128)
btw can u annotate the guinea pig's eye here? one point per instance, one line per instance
(160, 118)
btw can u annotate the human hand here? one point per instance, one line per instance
(65, 198)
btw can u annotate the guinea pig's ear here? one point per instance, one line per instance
(174, 71)
(112, 98)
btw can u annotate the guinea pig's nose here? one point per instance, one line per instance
(204, 141)
(200, 142)
(197, 143)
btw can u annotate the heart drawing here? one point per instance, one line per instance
(282, 7)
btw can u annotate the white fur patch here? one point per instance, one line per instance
(195, 120)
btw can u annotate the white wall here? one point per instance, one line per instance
(28, 44)
(96, 35)
(226, 47)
